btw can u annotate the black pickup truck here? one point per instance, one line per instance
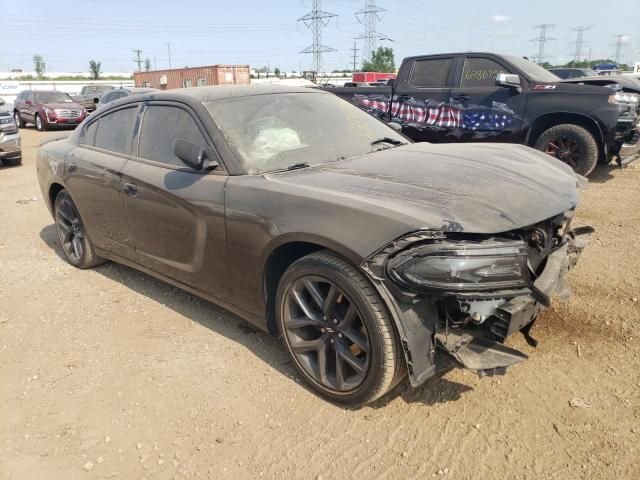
(484, 97)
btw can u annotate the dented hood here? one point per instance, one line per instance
(479, 188)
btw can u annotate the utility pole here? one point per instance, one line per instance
(355, 52)
(369, 16)
(315, 20)
(542, 39)
(580, 29)
(619, 43)
(169, 52)
(138, 60)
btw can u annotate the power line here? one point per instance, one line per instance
(542, 39)
(580, 29)
(137, 60)
(355, 50)
(619, 43)
(315, 20)
(369, 17)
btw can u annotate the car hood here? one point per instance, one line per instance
(626, 83)
(64, 106)
(478, 188)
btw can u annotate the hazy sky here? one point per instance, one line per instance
(259, 32)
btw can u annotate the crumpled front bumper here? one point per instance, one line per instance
(10, 146)
(479, 346)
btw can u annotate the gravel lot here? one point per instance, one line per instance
(111, 374)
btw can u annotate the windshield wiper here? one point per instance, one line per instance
(390, 140)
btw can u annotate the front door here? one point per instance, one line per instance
(176, 214)
(490, 113)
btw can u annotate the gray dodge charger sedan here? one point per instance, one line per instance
(362, 251)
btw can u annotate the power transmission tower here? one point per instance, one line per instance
(580, 29)
(369, 16)
(315, 20)
(542, 39)
(355, 50)
(619, 43)
(138, 60)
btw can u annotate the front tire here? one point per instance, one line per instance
(40, 125)
(18, 120)
(571, 144)
(12, 162)
(75, 243)
(337, 331)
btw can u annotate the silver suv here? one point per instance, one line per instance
(10, 149)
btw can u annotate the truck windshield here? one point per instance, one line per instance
(276, 131)
(533, 71)
(52, 97)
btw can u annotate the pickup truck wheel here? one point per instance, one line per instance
(75, 243)
(18, 120)
(337, 331)
(571, 144)
(40, 125)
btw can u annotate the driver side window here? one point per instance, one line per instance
(161, 125)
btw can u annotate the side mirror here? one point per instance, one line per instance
(193, 155)
(96, 100)
(508, 80)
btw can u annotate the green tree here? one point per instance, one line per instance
(382, 60)
(276, 72)
(94, 69)
(39, 66)
(147, 64)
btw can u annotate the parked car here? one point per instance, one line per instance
(90, 95)
(484, 97)
(10, 148)
(47, 109)
(573, 72)
(315, 221)
(119, 93)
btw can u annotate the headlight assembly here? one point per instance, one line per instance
(462, 266)
(622, 97)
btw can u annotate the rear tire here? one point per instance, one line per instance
(352, 341)
(76, 245)
(571, 144)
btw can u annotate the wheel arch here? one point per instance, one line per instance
(282, 253)
(544, 122)
(54, 189)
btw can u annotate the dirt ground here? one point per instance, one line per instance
(111, 374)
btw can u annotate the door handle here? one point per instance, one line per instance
(130, 189)
(72, 167)
(461, 98)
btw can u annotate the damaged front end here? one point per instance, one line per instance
(467, 293)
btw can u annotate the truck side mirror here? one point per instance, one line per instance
(508, 80)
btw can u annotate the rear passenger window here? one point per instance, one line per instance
(160, 127)
(431, 73)
(115, 130)
(480, 72)
(88, 136)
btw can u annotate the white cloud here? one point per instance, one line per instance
(500, 18)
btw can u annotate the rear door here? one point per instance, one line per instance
(93, 171)
(421, 102)
(490, 113)
(176, 214)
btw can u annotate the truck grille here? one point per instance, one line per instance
(68, 113)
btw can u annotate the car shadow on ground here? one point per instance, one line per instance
(603, 173)
(266, 347)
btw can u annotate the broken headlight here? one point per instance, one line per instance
(462, 266)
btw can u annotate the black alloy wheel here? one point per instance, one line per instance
(571, 144)
(337, 330)
(72, 236)
(324, 330)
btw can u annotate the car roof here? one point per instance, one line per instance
(221, 92)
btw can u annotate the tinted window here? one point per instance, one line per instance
(160, 127)
(115, 130)
(431, 73)
(89, 134)
(480, 72)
